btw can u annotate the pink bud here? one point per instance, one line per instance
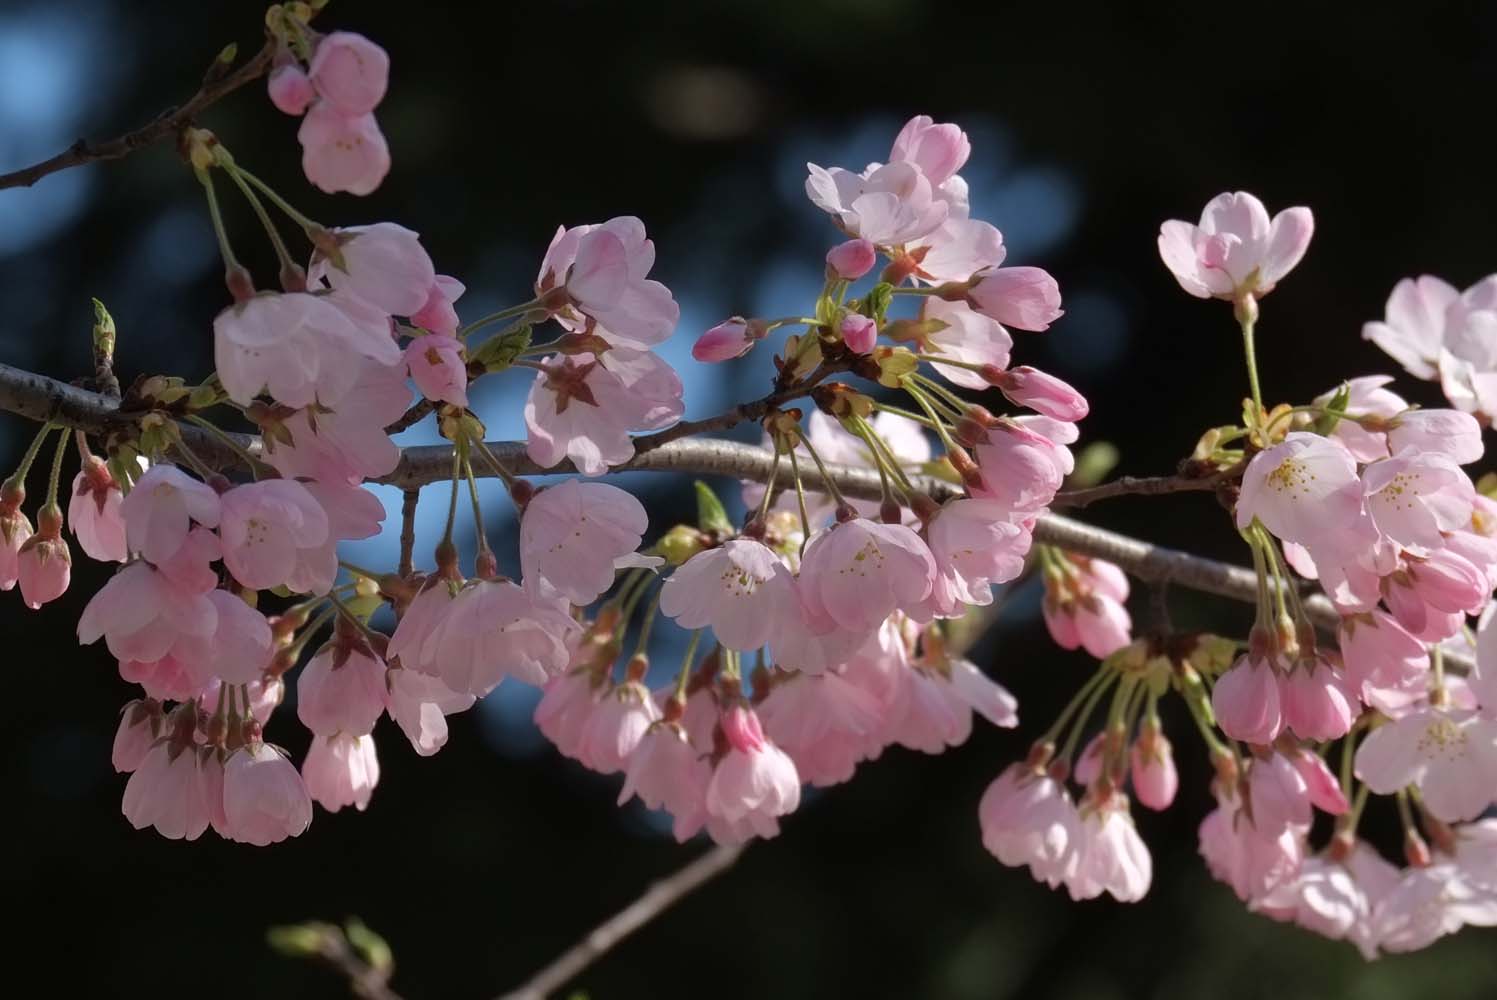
(727, 340)
(1246, 701)
(1324, 790)
(290, 89)
(1041, 392)
(851, 260)
(1155, 779)
(859, 333)
(350, 72)
(44, 564)
(140, 724)
(741, 727)
(1026, 298)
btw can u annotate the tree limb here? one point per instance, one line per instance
(656, 899)
(40, 398)
(166, 125)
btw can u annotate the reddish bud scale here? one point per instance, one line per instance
(239, 282)
(49, 522)
(1415, 850)
(639, 665)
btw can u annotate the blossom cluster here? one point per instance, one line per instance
(825, 626)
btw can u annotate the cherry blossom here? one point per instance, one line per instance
(1028, 819)
(94, 513)
(1450, 755)
(742, 590)
(1236, 250)
(342, 153)
(755, 782)
(438, 368)
(857, 572)
(602, 270)
(265, 800)
(573, 535)
(350, 72)
(341, 770)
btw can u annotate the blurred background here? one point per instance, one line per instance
(1091, 123)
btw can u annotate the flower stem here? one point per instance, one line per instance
(54, 483)
(1251, 355)
(800, 499)
(18, 478)
(216, 214)
(301, 220)
(283, 256)
(495, 317)
(686, 664)
(254, 464)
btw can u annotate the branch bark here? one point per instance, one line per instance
(164, 126)
(656, 899)
(40, 398)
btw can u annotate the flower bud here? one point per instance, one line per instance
(851, 260)
(859, 333)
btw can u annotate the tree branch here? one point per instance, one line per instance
(41, 398)
(166, 125)
(656, 899)
(1145, 486)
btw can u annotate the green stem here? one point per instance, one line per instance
(254, 464)
(457, 474)
(54, 484)
(360, 570)
(907, 414)
(495, 317)
(1082, 693)
(1250, 354)
(483, 538)
(648, 625)
(686, 664)
(283, 256)
(216, 214)
(306, 224)
(827, 482)
(800, 500)
(18, 478)
(774, 471)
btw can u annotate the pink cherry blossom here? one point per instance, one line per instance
(755, 782)
(1110, 855)
(958, 249)
(1305, 490)
(582, 410)
(15, 528)
(1445, 432)
(1413, 332)
(44, 564)
(1414, 498)
(352, 513)
(438, 314)
(823, 722)
(1025, 298)
(1335, 898)
(932, 709)
(1429, 596)
(856, 573)
(1246, 701)
(350, 72)
(651, 382)
(1386, 665)
(1028, 818)
(438, 368)
(1152, 768)
(602, 270)
(1450, 755)
(965, 335)
(265, 800)
(939, 150)
(495, 629)
(341, 770)
(1041, 392)
(349, 444)
(1278, 794)
(886, 205)
(974, 546)
(732, 338)
(615, 726)
(142, 614)
(342, 153)
(264, 526)
(859, 333)
(140, 724)
(1236, 250)
(1083, 605)
(1315, 701)
(420, 704)
(1323, 788)
(1428, 903)
(166, 792)
(290, 89)
(1019, 467)
(341, 689)
(161, 509)
(666, 772)
(298, 347)
(851, 260)
(573, 534)
(740, 589)
(1246, 857)
(94, 513)
(384, 265)
(566, 704)
(237, 651)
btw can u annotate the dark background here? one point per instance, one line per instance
(1091, 124)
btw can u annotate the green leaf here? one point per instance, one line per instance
(500, 351)
(876, 302)
(711, 515)
(1334, 410)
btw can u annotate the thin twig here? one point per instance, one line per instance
(166, 125)
(408, 503)
(1144, 486)
(656, 899)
